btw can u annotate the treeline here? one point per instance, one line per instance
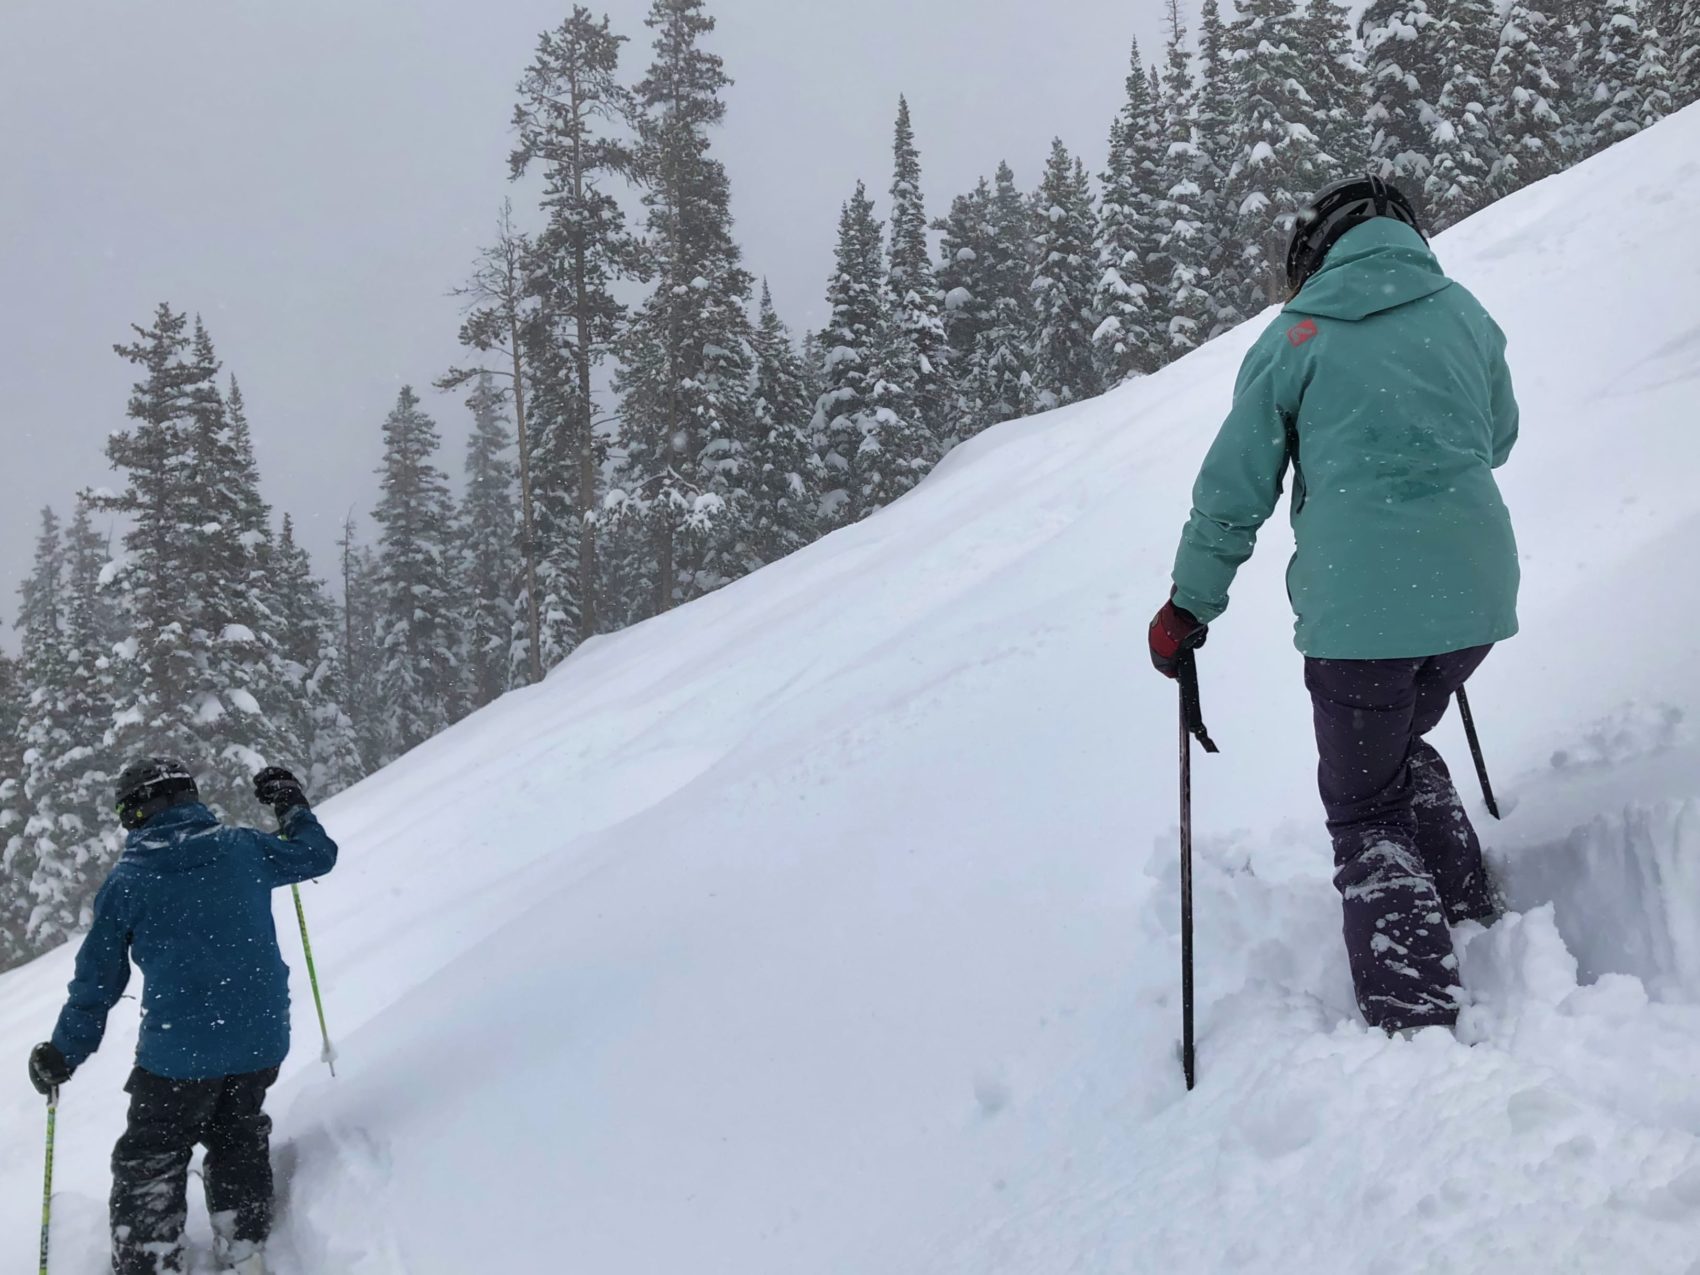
(624, 459)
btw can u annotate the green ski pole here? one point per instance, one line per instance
(47, 1178)
(328, 1056)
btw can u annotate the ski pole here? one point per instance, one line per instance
(47, 1177)
(1192, 727)
(1476, 752)
(328, 1055)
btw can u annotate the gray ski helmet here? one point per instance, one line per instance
(1335, 210)
(150, 785)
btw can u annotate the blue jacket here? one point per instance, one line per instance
(190, 901)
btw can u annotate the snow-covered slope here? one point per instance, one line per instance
(829, 924)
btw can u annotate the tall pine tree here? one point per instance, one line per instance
(781, 473)
(419, 680)
(1462, 127)
(1526, 100)
(874, 449)
(570, 118)
(686, 369)
(1337, 81)
(1129, 233)
(311, 642)
(965, 256)
(1612, 97)
(1065, 369)
(1399, 52)
(1185, 171)
(1218, 88)
(1277, 162)
(503, 321)
(1000, 376)
(918, 338)
(489, 558)
(14, 909)
(359, 624)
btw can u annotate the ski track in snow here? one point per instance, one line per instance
(829, 924)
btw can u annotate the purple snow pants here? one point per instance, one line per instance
(1406, 859)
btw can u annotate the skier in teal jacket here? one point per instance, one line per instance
(1383, 388)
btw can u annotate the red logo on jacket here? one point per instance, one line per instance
(1301, 333)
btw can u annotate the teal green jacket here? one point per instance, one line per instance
(1384, 386)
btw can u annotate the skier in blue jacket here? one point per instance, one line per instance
(190, 903)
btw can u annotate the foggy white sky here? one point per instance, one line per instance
(312, 176)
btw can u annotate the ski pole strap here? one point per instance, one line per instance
(1192, 714)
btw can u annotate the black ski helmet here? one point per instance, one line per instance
(1337, 209)
(150, 785)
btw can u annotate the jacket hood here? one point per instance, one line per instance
(172, 842)
(1378, 266)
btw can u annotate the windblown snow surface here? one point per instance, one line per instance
(829, 924)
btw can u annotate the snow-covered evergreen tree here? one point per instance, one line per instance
(1399, 51)
(1654, 93)
(1337, 81)
(1000, 379)
(503, 322)
(1526, 98)
(1277, 163)
(243, 663)
(1683, 52)
(197, 675)
(1615, 100)
(39, 846)
(965, 258)
(1184, 171)
(917, 304)
(874, 449)
(1128, 303)
(488, 544)
(1065, 369)
(14, 893)
(685, 377)
(358, 619)
(419, 681)
(782, 477)
(65, 843)
(310, 643)
(570, 122)
(1464, 36)
(1214, 113)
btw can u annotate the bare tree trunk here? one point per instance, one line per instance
(534, 623)
(664, 571)
(587, 425)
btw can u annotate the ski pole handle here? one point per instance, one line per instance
(328, 1054)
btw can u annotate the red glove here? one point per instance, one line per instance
(1174, 633)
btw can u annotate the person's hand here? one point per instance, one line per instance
(276, 787)
(1174, 633)
(48, 1068)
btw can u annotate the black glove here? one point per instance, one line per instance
(276, 787)
(48, 1068)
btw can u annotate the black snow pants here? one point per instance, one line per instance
(150, 1165)
(1406, 858)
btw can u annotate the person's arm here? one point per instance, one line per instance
(1240, 483)
(102, 974)
(1505, 411)
(301, 850)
